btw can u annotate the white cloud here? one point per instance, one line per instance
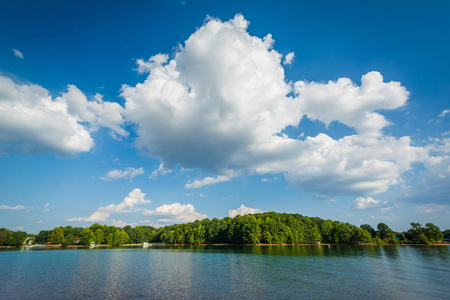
(289, 58)
(188, 194)
(39, 222)
(206, 181)
(444, 113)
(343, 167)
(160, 171)
(17, 53)
(325, 197)
(98, 216)
(352, 105)
(434, 181)
(150, 223)
(46, 209)
(128, 205)
(98, 112)
(128, 173)
(369, 202)
(120, 223)
(390, 217)
(18, 228)
(432, 208)
(7, 207)
(32, 122)
(177, 212)
(134, 198)
(151, 63)
(221, 104)
(223, 93)
(243, 210)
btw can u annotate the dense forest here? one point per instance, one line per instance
(266, 228)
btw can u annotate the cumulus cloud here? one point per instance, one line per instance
(18, 228)
(352, 105)
(289, 58)
(7, 207)
(160, 171)
(221, 103)
(32, 122)
(172, 213)
(206, 181)
(369, 202)
(243, 210)
(221, 94)
(134, 198)
(97, 113)
(150, 223)
(128, 173)
(17, 53)
(444, 113)
(120, 223)
(128, 205)
(98, 216)
(177, 213)
(433, 182)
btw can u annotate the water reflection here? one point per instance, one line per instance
(192, 272)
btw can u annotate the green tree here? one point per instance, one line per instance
(5, 237)
(433, 232)
(369, 229)
(86, 236)
(314, 235)
(56, 236)
(360, 235)
(342, 233)
(98, 236)
(326, 229)
(42, 236)
(251, 232)
(383, 230)
(117, 237)
(18, 237)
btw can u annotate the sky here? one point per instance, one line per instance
(164, 112)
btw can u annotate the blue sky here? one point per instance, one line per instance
(162, 112)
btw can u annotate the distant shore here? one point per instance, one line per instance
(216, 245)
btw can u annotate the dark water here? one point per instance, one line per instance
(213, 272)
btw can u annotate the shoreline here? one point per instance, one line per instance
(220, 245)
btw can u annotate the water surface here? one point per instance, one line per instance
(248, 272)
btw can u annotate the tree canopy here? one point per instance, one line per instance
(266, 228)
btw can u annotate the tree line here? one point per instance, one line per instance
(266, 228)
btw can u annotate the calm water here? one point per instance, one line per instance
(205, 272)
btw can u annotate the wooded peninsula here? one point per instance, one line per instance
(262, 228)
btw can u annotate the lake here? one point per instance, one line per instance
(228, 272)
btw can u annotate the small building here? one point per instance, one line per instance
(145, 245)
